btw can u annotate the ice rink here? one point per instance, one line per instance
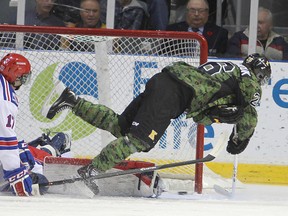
(251, 200)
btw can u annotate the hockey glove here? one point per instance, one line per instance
(26, 157)
(61, 142)
(20, 181)
(226, 114)
(235, 146)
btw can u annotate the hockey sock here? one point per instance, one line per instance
(99, 116)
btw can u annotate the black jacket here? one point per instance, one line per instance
(216, 36)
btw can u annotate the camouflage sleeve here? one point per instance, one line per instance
(203, 118)
(247, 123)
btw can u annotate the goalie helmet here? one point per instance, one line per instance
(260, 66)
(15, 67)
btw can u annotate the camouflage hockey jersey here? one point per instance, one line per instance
(220, 83)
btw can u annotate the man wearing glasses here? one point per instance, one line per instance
(197, 15)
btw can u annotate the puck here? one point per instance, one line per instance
(182, 192)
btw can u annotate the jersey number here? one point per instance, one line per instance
(10, 121)
(213, 68)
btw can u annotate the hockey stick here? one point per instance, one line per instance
(222, 190)
(211, 156)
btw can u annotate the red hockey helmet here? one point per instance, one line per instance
(15, 67)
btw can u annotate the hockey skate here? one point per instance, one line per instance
(86, 172)
(67, 100)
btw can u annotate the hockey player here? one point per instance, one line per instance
(15, 70)
(216, 92)
(33, 153)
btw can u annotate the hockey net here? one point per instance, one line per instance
(109, 67)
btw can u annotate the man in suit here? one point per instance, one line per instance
(197, 21)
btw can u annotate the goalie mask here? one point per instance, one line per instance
(16, 69)
(260, 67)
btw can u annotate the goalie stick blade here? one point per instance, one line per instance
(57, 90)
(211, 156)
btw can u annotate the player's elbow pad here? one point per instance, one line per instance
(226, 114)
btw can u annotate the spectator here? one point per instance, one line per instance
(90, 14)
(68, 11)
(197, 21)
(133, 16)
(270, 44)
(159, 14)
(181, 6)
(90, 11)
(42, 15)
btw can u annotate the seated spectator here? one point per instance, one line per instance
(42, 15)
(90, 11)
(90, 14)
(270, 44)
(68, 11)
(133, 15)
(181, 7)
(197, 21)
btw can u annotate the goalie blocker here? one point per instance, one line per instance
(139, 185)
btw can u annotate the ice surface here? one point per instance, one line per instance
(249, 200)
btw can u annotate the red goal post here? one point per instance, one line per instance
(105, 66)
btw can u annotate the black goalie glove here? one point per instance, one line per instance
(226, 114)
(236, 146)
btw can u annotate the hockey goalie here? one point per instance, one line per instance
(139, 185)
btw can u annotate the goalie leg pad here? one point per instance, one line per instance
(147, 184)
(20, 181)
